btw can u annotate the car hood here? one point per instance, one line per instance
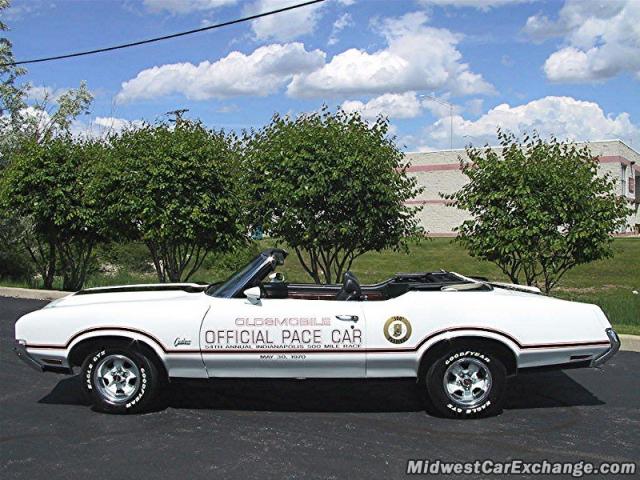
(129, 293)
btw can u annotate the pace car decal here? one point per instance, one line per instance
(397, 329)
(299, 333)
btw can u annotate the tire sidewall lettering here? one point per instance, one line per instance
(468, 353)
(141, 392)
(90, 367)
(469, 411)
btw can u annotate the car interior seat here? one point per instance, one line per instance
(350, 288)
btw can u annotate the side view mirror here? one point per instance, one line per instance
(253, 295)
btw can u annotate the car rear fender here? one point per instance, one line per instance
(498, 343)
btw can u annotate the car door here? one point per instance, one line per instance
(290, 338)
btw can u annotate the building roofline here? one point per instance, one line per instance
(608, 140)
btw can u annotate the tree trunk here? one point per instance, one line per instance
(312, 267)
(76, 257)
(171, 261)
(50, 269)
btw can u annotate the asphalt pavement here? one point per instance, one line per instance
(304, 429)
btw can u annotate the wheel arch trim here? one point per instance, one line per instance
(432, 344)
(96, 333)
(452, 334)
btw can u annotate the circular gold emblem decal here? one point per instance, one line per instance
(397, 329)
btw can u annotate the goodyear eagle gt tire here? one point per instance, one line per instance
(120, 380)
(467, 383)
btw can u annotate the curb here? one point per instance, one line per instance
(630, 343)
(32, 294)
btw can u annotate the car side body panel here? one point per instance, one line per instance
(307, 338)
(539, 330)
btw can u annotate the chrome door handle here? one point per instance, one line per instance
(347, 318)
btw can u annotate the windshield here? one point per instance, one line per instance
(230, 287)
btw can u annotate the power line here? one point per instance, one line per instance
(165, 37)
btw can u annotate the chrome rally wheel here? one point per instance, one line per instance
(117, 378)
(467, 381)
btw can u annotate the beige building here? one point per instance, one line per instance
(439, 172)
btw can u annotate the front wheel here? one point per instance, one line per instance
(120, 380)
(467, 383)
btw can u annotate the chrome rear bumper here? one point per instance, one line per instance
(611, 351)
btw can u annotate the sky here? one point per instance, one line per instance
(559, 67)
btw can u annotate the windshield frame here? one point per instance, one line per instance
(249, 275)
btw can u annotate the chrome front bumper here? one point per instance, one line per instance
(21, 351)
(611, 351)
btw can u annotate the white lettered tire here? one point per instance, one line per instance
(120, 380)
(467, 383)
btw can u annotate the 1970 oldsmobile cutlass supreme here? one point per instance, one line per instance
(460, 337)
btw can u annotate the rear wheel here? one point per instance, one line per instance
(467, 383)
(120, 380)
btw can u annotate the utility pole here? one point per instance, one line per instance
(177, 114)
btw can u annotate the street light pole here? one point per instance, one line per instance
(450, 127)
(450, 105)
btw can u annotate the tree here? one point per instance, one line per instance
(174, 187)
(59, 224)
(23, 122)
(539, 208)
(332, 187)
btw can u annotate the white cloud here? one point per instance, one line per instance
(340, 24)
(417, 57)
(405, 105)
(564, 117)
(286, 25)
(100, 127)
(478, 4)
(602, 39)
(260, 73)
(115, 124)
(186, 6)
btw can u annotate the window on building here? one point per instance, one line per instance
(624, 180)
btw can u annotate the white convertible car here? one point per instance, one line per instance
(460, 337)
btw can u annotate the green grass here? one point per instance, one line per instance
(608, 283)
